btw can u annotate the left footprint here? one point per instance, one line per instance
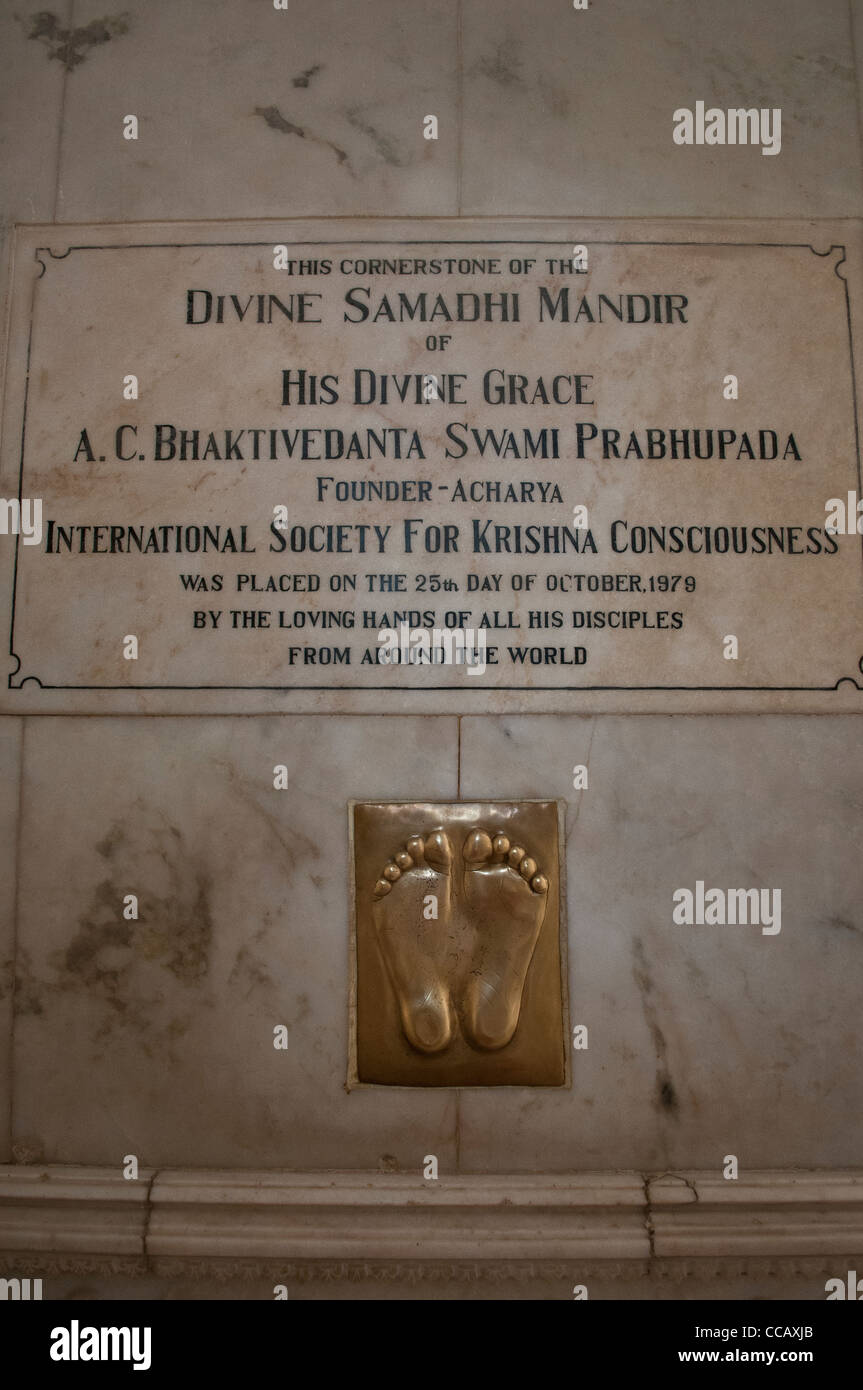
(414, 946)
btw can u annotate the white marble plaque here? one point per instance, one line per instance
(434, 466)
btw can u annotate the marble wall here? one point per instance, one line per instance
(155, 1038)
(704, 1041)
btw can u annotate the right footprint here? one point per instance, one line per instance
(506, 897)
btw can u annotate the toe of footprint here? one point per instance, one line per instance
(481, 850)
(438, 851)
(435, 850)
(478, 847)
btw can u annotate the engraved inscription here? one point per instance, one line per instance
(619, 480)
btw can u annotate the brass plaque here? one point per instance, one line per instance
(458, 955)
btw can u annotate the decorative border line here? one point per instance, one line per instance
(415, 1273)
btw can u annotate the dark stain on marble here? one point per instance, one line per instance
(249, 972)
(558, 101)
(27, 996)
(28, 1148)
(501, 66)
(296, 847)
(111, 960)
(88, 953)
(382, 143)
(305, 77)
(276, 121)
(71, 46)
(175, 931)
(843, 924)
(666, 1093)
(825, 67)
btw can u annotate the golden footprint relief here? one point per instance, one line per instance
(458, 945)
(457, 925)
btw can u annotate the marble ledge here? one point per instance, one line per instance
(792, 1213)
(204, 1215)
